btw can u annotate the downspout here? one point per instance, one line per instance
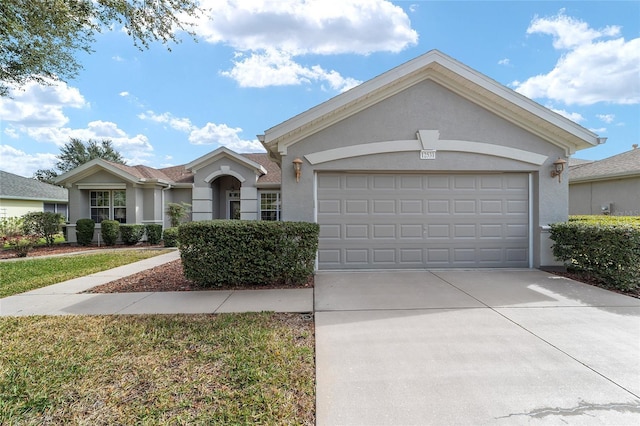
(162, 204)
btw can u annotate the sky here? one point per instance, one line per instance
(254, 64)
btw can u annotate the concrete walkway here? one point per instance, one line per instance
(66, 298)
(474, 347)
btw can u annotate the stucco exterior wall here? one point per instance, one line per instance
(620, 196)
(429, 106)
(211, 183)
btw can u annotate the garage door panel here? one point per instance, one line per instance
(429, 220)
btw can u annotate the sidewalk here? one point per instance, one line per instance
(66, 298)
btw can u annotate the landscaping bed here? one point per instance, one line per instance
(65, 248)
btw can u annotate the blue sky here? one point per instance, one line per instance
(258, 63)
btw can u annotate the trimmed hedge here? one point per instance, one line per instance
(248, 252)
(154, 233)
(170, 237)
(109, 229)
(84, 231)
(605, 247)
(131, 234)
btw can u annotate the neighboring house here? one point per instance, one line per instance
(429, 165)
(20, 195)
(608, 186)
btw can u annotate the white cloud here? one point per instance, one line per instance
(180, 124)
(277, 68)
(592, 68)
(308, 26)
(607, 118)
(124, 94)
(573, 116)
(223, 135)
(40, 105)
(269, 35)
(133, 148)
(18, 162)
(505, 61)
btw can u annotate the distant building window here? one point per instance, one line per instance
(108, 205)
(270, 206)
(56, 208)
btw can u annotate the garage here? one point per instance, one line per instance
(428, 165)
(423, 220)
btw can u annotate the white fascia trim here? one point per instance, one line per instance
(417, 145)
(207, 159)
(224, 170)
(86, 169)
(102, 186)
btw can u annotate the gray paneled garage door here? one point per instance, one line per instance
(377, 221)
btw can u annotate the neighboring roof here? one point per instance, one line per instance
(626, 164)
(22, 188)
(270, 171)
(578, 162)
(448, 72)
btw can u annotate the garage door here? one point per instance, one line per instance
(388, 221)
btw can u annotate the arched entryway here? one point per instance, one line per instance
(225, 197)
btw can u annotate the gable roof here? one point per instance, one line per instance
(182, 174)
(22, 188)
(133, 174)
(225, 152)
(626, 164)
(446, 71)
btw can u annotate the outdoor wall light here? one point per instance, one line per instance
(297, 168)
(558, 168)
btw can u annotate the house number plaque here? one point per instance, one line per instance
(428, 154)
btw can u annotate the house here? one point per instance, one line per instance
(608, 186)
(219, 185)
(20, 195)
(429, 165)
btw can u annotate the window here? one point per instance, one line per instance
(270, 206)
(107, 205)
(56, 208)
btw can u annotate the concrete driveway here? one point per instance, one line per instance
(474, 347)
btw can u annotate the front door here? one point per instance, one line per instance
(233, 202)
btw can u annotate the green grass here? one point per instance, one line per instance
(177, 369)
(24, 275)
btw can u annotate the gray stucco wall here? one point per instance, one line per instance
(429, 106)
(622, 195)
(209, 194)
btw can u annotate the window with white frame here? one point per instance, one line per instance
(108, 205)
(270, 206)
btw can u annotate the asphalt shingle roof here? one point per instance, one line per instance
(625, 164)
(22, 188)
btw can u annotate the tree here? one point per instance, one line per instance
(39, 38)
(75, 153)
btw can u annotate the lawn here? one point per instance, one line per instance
(171, 369)
(24, 275)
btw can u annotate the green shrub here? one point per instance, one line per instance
(248, 252)
(109, 229)
(43, 225)
(154, 233)
(84, 231)
(170, 237)
(131, 234)
(605, 247)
